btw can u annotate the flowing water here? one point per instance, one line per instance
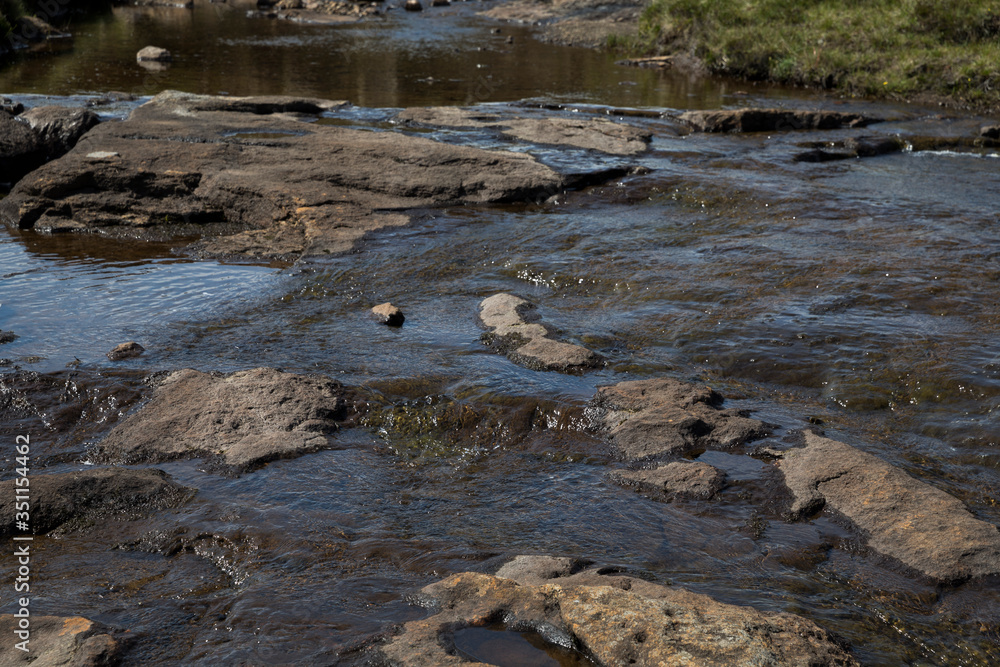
(862, 295)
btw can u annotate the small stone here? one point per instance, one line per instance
(990, 131)
(440, 3)
(7, 337)
(510, 39)
(388, 314)
(413, 6)
(680, 479)
(155, 54)
(127, 350)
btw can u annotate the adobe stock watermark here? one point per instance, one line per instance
(22, 542)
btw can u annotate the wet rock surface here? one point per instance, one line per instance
(60, 128)
(613, 620)
(909, 520)
(21, 150)
(76, 499)
(250, 168)
(651, 418)
(7, 337)
(516, 330)
(241, 420)
(59, 640)
(590, 133)
(771, 120)
(679, 479)
(128, 350)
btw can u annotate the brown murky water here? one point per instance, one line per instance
(862, 294)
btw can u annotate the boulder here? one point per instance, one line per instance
(128, 350)
(76, 499)
(388, 314)
(771, 120)
(662, 416)
(241, 420)
(21, 151)
(593, 133)
(904, 518)
(680, 479)
(59, 128)
(59, 640)
(153, 54)
(516, 331)
(262, 181)
(613, 620)
(853, 147)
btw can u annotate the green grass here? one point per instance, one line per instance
(882, 48)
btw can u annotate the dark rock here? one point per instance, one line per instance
(7, 337)
(771, 120)
(516, 331)
(386, 313)
(272, 183)
(8, 105)
(413, 6)
(680, 479)
(243, 419)
(854, 147)
(599, 134)
(59, 128)
(990, 131)
(21, 151)
(440, 3)
(34, 29)
(648, 418)
(534, 570)
(76, 499)
(907, 519)
(613, 620)
(127, 350)
(154, 54)
(59, 640)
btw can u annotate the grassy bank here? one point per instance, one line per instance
(899, 49)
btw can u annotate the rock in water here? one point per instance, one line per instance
(990, 131)
(909, 520)
(413, 6)
(59, 640)
(21, 151)
(680, 479)
(614, 620)
(771, 120)
(92, 495)
(127, 350)
(243, 419)
(516, 331)
(388, 314)
(650, 418)
(153, 54)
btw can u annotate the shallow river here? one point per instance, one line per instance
(863, 295)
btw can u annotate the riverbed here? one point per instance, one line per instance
(859, 295)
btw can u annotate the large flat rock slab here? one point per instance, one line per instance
(614, 620)
(662, 416)
(76, 499)
(241, 420)
(517, 331)
(903, 517)
(599, 134)
(262, 176)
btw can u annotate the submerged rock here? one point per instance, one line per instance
(516, 331)
(59, 128)
(91, 496)
(128, 350)
(649, 418)
(613, 620)
(591, 133)
(909, 520)
(271, 182)
(771, 120)
(59, 640)
(243, 419)
(388, 314)
(680, 479)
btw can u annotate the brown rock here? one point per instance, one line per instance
(771, 120)
(649, 418)
(614, 620)
(516, 331)
(680, 479)
(58, 640)
(154, 54)
(592, 133)
(271, 183)
(59, 128)
(127, 350)
(243, 419)
(77, 499)
(386, 313)
(904, 518)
